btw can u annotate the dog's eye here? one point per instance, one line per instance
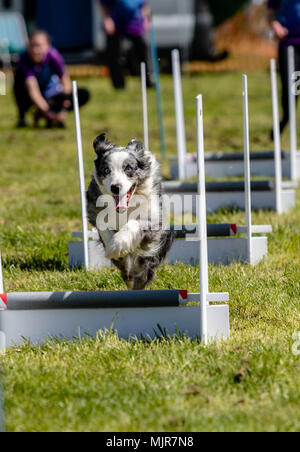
(106, 171)
(128, 169)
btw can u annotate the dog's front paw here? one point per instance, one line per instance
(116, 249)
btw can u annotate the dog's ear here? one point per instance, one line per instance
(136, 146)
(143, 158)
(101, 145)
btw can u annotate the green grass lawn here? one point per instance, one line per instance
(248, 383)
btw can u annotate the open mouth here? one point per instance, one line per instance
(122, 202)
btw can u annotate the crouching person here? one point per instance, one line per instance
(42, 81)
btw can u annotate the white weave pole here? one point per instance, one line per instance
(247, 170)
(202, 221)
(277, 140)
(81, 176)
(179, 112)
(145, 105)
(292, 113)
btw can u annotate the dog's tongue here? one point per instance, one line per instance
(121, 203)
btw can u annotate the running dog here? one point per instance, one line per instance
(125, 205)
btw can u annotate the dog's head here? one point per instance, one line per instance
(121, 171)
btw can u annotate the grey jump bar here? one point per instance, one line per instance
(92, 300)
(213, 230)
(223, 156)
(230, 186)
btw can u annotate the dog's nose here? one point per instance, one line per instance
(115, 189)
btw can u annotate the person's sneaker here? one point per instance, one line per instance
(21, 124)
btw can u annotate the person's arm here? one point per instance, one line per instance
(108, 23)
(35, 95)
(280, 31)
(59, 65)
(66, 83)
(38, 100)
(67, 87)
(146, 10)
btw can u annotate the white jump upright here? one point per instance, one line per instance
(179, 112)
(202, 220)
(277, 139)
(292, 113)
(81, 175)
(145, 105)
(247, 166)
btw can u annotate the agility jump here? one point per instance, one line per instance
(223, 245)
(270, 195)
(223, 164)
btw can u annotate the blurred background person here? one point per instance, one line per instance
(125, 19)
(285, 22)
(41, 80)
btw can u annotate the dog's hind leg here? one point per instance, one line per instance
(145, 267)
(125, 267)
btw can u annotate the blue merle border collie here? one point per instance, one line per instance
(126, 188)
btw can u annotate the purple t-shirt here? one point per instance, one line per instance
(288, 14)
(127, 15)
(48, 73)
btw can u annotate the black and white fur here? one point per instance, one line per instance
(138, 246)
